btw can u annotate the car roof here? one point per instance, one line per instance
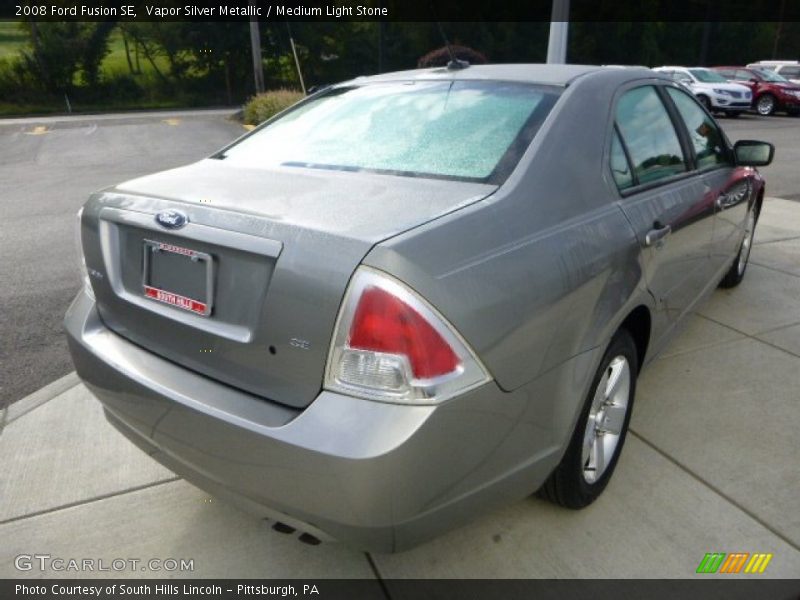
(545, 74)
(776, 63)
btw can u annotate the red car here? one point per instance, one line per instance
(771, 92)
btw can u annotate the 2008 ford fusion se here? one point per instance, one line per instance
(412, 297)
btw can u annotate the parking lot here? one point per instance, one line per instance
(711, 465)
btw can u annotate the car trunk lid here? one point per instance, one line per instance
(266, 256)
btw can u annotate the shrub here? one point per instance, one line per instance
(264, 106)
(441, 56)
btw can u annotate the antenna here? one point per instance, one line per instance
(455, 64)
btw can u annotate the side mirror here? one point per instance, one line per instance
(753, 80)
(751, 153)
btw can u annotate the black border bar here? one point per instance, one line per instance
(731, 588)
(400, 10)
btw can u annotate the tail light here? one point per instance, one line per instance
(391, 345)
(84, 273)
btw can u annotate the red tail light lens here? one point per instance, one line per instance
(391, 345)
(384, 323)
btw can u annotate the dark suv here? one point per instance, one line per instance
(771, 92)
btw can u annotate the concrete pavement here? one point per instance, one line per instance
(711, 466)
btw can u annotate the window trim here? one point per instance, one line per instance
(615, 132)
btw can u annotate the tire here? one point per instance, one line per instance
(576, 481)
(766, 105)
(735, 274)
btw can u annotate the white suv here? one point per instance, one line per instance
(712, 89)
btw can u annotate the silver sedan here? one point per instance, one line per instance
(412, 297)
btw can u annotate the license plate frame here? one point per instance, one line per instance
(196, 306)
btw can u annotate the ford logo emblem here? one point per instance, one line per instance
(171, 219)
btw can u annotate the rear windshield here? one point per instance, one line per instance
(457, 130)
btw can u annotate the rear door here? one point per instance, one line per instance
(665, 199)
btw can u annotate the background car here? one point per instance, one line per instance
(790, 69)
(771, 92)
(715, 92)
(413, 296)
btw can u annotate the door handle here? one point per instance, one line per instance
(658, 233)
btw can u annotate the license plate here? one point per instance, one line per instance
(178, 276)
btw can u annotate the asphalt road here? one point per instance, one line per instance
(47, 169)
(48, 166)
(782, 131)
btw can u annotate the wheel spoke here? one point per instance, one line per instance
(600, 394)
(617, 378)
(613, 418)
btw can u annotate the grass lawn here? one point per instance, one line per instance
(115, 61)
(12, 38)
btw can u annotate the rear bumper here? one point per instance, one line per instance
(383, 477)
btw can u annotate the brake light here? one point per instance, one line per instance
(384, 323)
(391, 345)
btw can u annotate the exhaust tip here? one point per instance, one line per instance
(283, 528)
(309, 539)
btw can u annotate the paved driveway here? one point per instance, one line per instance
(711, 466)
(48, 167)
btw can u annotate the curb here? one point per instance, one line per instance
(39, 397)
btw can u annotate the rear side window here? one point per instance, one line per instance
(649, 135)
(790, 72)
(706, 138)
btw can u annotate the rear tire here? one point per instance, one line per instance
(601, 429)
(735, 274)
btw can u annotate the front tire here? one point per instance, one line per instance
(600, 433)
(735, 274)
(766, 105)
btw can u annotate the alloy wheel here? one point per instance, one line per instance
(606, 418)
(765, 105)
(747, 242)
